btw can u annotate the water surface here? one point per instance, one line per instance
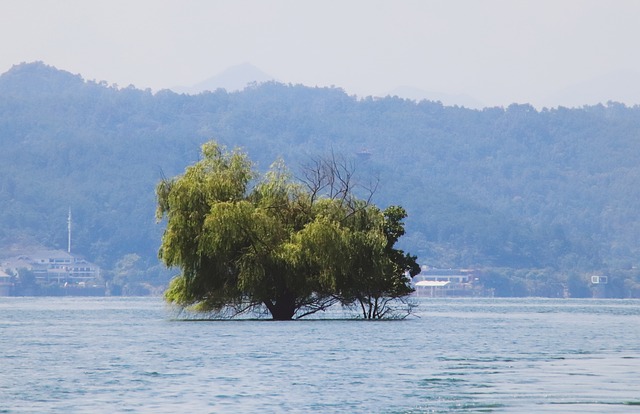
(106, 355)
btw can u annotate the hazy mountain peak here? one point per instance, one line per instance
(234, 78)
(37, 76)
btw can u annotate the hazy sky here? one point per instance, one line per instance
(545, 52)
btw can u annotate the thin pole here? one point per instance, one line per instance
(69, 231)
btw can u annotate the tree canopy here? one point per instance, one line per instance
(246, 242)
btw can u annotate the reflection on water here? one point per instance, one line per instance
(473, 355)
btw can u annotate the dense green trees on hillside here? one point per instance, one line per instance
(293, 249)
(507, 187)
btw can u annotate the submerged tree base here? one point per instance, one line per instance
(396, 310)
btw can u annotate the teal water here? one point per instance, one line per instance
(112, 355)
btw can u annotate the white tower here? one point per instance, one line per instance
(69, 231)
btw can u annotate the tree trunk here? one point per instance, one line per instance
(283, 308)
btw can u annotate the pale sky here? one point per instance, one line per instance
(543, 52)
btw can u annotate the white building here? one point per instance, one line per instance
(444, 282)
(54, 266)
(5, 283)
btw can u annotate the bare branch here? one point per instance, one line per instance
(334, 177)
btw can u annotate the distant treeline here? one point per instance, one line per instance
(535, 198)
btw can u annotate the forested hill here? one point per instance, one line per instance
(502, 187)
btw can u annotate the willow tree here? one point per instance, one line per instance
(244, 242)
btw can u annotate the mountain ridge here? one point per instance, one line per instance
(513, 188)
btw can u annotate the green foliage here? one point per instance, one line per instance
(274, 245)
(133, 277)
(26, 279)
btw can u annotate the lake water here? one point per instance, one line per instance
(110, 355)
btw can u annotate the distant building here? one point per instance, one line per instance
(445, 282)
(5, 283)
(54, 267)
(364, 154)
